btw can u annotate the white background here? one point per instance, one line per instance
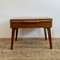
(29, 8)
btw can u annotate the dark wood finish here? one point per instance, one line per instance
(31, 23)
(12, 38)
(16, 34)
(45, 33)
(49, 37)
(45, 23)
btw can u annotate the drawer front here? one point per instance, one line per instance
(30, 25)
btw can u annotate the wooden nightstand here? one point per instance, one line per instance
(45, 23)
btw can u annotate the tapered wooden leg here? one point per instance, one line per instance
(12, 38)
(49, 37)
(16, 34)
(45, 33)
